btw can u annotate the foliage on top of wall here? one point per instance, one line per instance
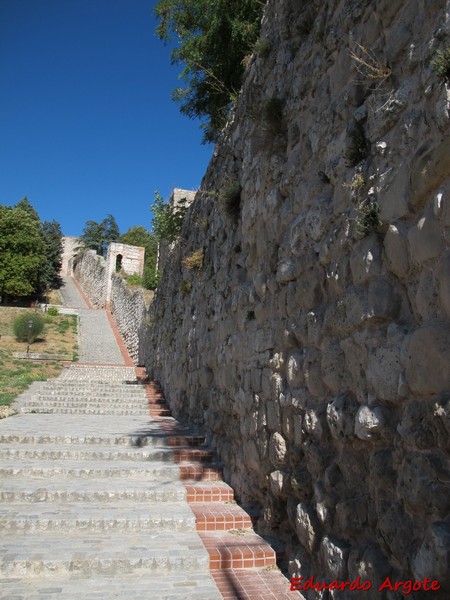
(167, 220)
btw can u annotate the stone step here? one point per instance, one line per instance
(95, 517)
(86, 453)
(238, 549)
(121, 440)
(209, 491)
(150, 471)
(31, 555)
(94, 403)
(87, 411)
(37, 490)
(173, 586)
(216, 516)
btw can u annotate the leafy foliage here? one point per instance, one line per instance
(97, 236)
(213, 37)
(140, 236)
(441, 64)
(49, 274)
(22, 252)
(28, 326)
(167, 220)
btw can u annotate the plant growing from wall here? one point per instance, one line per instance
(368, 218)
(186, 287)
(367, 65)
(358, 147)
(194, 262)
(441, 64)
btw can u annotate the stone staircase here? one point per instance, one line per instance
(91, 503)
(99, 500)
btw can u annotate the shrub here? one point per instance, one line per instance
(52, 311)
(22, 329)
(368, 220)
(134, 279)
(194, 262)
(441, 64)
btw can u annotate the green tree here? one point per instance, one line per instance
(167, 221)
(49, 276)
(213, 38)
(25, 205)
(97, 236)
(140, 236)
(22, 252)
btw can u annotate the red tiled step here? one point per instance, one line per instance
(155, 400)
(201, 455)
(209, 492)
(216, 516)
(185, 440)
(199, 472)
(241, 549)
(158, 411)
(254, 584)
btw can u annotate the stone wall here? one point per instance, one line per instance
(310, 336)
(90, 272)
(128, 311)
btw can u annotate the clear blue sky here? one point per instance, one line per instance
(87, 123)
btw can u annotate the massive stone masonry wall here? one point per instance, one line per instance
(312, 346)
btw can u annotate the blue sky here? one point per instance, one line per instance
(87, 123)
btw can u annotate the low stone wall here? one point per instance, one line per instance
(90, 272)
(128, 310)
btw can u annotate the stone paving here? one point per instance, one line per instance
(89, 508)
(98, 343)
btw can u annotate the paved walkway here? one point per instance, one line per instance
(98, 344)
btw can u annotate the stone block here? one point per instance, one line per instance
(383, 372)
(307, 526)
(341, 412)
(365, 260)
(433, 557)
(444, 282)
(294, 370)
(334, 554)
(396, 250)
(371, 422)
(333, 369)
(278, 453)
(425, 239)
(280, 484)
(424, 483)
(427, 372)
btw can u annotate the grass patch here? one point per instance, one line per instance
(60, 333)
